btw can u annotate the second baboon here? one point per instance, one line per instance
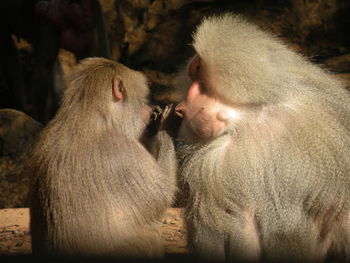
(264, 149)
(95, 190)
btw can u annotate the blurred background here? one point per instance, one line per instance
(42, 40)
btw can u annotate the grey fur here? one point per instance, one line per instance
(282, 171)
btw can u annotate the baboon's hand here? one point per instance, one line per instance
(163, 119)
(166, 116)
(169, 121)
(154, 121)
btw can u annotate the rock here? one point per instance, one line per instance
(14, 232)
(174, 231)
(17, 134)
(338, 64)
(67, 61)
(15, 237)
(345, 77)
(162, 87)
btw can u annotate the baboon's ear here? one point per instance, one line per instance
(118, 89)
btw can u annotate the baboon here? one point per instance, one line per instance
(95, 190)
(264, 149)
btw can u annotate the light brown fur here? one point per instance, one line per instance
(95, 190)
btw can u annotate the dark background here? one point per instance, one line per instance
(153, 36)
